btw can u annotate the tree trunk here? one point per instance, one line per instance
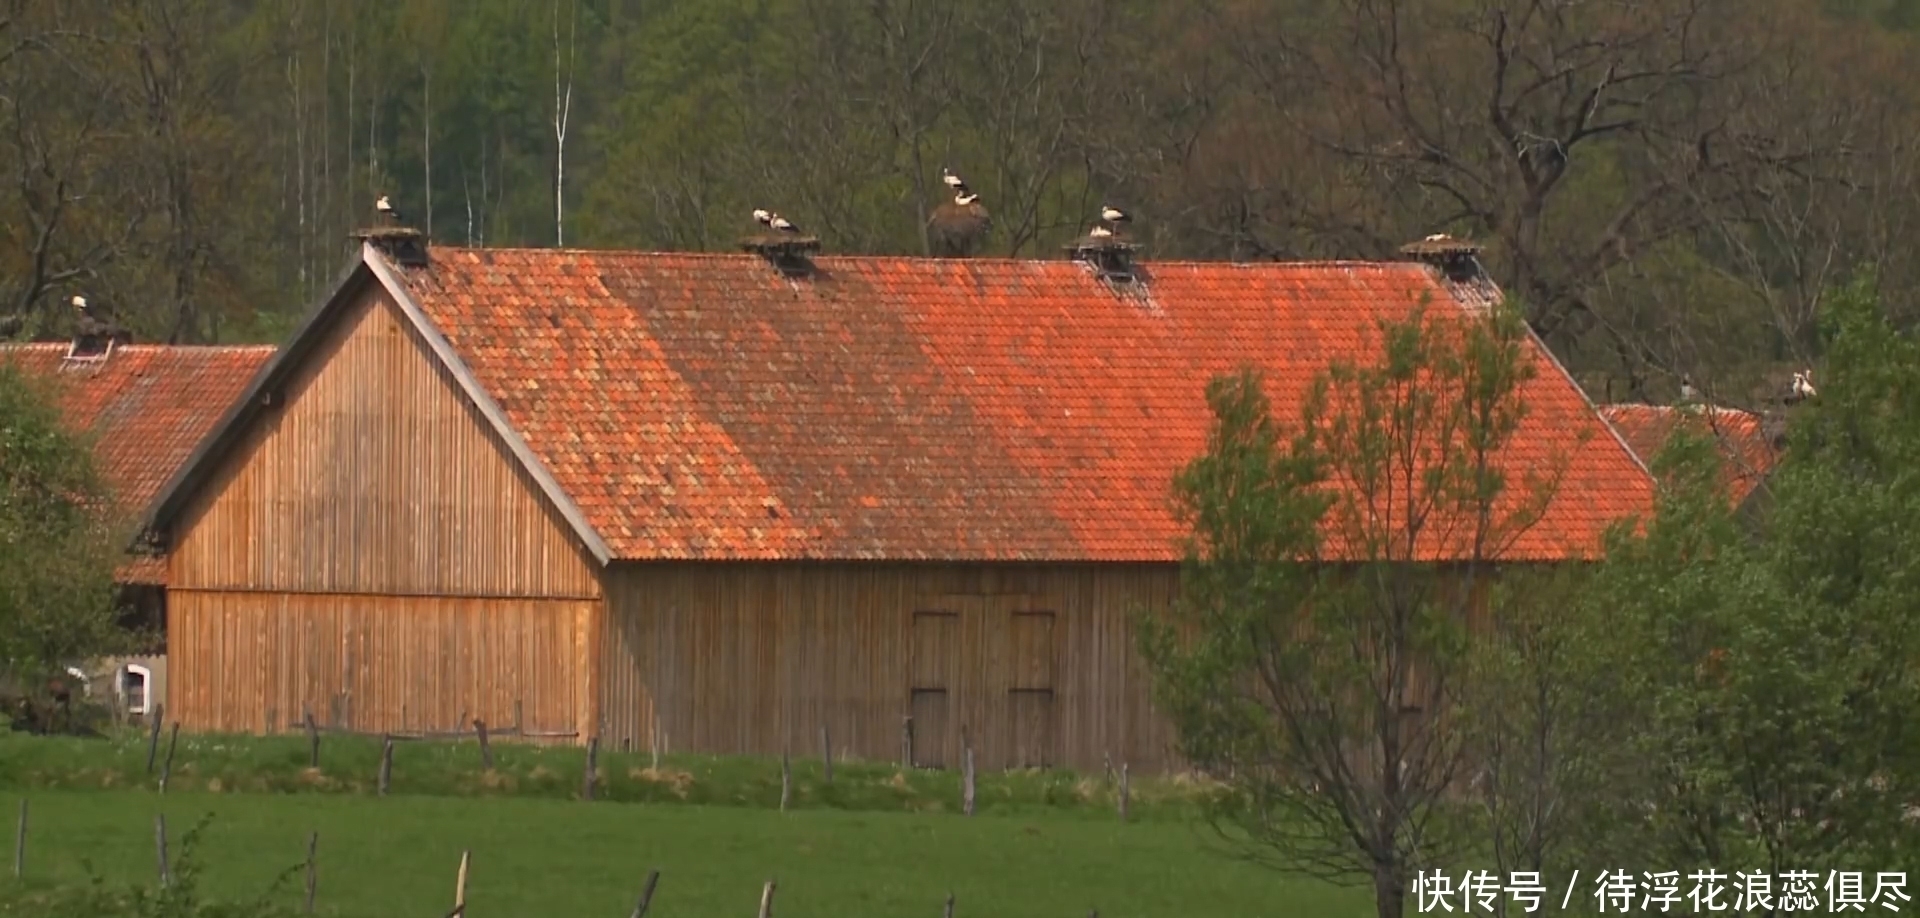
(1389, 894)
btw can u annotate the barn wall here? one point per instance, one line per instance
(253, 661)
(376, 475)
(1037, 662)
(371, 547)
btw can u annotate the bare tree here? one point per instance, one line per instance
(67, 218)
(1578, 140)
(562, 109)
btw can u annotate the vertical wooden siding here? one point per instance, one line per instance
(371, 537)
(241, 659)
(376, 475)
(1037, 663)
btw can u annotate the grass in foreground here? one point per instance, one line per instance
(536, 858)
(350, 765)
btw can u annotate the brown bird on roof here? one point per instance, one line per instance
(958, 227)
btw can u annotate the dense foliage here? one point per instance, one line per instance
(58, 544)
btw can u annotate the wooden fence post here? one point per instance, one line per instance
(786, 777)
(826, 753)
(313, 875)
(313, 739)
(966, 773)
(153, 737)
(906, 742)
(519, 718)
(20, 843)
(337, 711)
(160, 847)
(653, 744)
(166, 768)
(386, 763)
(486, 751)
(273, 721)
(460, 886)
(1124, 791)
(766, 900)
(593, 764)
(646, 895)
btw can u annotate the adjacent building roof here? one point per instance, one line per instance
(698, 406)
(147, 406)
(1744, 443)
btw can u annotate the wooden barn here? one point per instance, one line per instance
(698, 502)
(145, 407)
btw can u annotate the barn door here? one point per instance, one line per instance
(1030, 691)
(936, 657)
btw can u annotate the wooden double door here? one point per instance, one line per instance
(983, 674)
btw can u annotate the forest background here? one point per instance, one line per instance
(1668, 185)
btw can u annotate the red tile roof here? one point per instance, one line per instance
(1741, 435)
(705, 407)
(148, 406)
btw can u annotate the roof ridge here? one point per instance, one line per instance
(746, 257)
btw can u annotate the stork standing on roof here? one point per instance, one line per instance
(782, 225)
(1112, 220)
(1687, 392)
(763, 217)
(384, 208)
(952, 181)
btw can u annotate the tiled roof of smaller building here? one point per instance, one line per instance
(147, 406)
(1745, 446)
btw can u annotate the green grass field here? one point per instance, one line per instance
(350, 765)
(397, 856)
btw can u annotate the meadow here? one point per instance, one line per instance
(874, 843)
(551, 858)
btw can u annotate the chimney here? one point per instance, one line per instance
(1110, 256)
(1457, 259)
(403, 245)
(791, 255)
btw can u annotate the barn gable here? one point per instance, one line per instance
(361, 442)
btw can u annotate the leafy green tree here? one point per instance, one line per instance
(58, 541)
(1775, 673)
(1313, 659)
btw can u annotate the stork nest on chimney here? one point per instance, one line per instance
(780, 245)
(1447, 247)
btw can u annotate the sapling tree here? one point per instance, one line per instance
(1312, 660)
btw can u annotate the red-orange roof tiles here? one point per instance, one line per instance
(706, 407)
(147, 406)
(1745, 447)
